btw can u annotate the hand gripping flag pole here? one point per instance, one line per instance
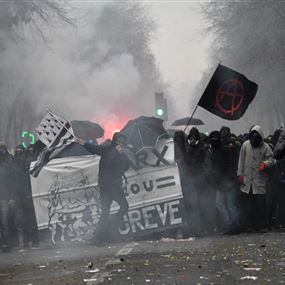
(193, 113)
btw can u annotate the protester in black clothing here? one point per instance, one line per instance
(25, 219)
(6, 195)
(196, 194)
(278, 178)
(113, 163)
(224, 165)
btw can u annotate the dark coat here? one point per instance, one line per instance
(112, 164)
(6, 177)
(279, 150)
(22, 183)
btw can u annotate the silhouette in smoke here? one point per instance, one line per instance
(112, 166)
(224, 166)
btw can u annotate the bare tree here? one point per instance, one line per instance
(16, 16)
(249, 36)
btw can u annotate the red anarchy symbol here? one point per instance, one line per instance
(230, 90)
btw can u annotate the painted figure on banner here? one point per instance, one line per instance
(72, 211)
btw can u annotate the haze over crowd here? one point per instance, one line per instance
(89, 60)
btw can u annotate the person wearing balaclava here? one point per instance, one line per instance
(196, 155)
(112, 166)
(225, 159)
(253, 180)
(6, 195)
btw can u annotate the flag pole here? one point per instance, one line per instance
(51, 113)
(191, 117)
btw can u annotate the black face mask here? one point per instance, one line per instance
(255, 139)
(193, 141)
(214, 143)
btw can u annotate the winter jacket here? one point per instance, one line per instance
(248, 165)
(22, 183)
(6, 178)
(195, 154)
(112, 164)
(279, 149)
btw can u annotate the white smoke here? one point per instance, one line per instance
(77, 72)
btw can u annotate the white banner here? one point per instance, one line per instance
(66, 198)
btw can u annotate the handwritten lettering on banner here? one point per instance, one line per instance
(155, 199)
(66, 191)
(152, 217)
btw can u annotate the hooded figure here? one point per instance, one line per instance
(278, 179)
(113, 164)
(253, 152)
(25, 219)
(6, 194)
(195, 153)
(253, 181)
(223, 162)
(225, 133)
(196, 191)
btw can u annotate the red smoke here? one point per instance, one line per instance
(114, 124)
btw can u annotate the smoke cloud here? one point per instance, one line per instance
(100, 69)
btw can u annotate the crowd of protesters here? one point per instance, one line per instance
(17, 214)
(230, 183)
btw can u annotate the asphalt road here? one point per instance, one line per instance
(241, 259)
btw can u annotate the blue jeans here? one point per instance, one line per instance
(226, 200)
(4, 221)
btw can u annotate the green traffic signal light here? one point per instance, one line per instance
(159, 112)
(31, 138)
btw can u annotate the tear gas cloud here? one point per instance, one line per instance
(87, 71)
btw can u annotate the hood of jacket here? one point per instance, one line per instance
(259, 130)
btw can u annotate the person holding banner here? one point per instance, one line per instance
(113, 164)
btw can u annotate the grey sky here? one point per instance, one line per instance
(180, 48)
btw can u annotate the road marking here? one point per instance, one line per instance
(100, 276)
(127, 249)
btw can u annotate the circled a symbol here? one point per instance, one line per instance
(230, 96)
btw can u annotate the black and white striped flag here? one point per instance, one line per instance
(56, 133)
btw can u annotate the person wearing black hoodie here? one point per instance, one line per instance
(279, 177)
(113, 164)
(196, 155)
(224, 166)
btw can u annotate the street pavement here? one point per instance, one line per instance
(239, 259)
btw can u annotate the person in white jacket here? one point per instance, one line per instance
(253, 180)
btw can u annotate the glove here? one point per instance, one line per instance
(241, 179)
(262, 166)
(79, 141)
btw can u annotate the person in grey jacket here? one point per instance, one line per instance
(253, 179)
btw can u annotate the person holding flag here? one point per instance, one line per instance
(113, 164)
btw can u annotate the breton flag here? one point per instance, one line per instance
(56, 133)
(228, 94)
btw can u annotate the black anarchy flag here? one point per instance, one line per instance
(228, 94)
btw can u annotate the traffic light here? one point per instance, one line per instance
(160, 106)
(27, 138)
